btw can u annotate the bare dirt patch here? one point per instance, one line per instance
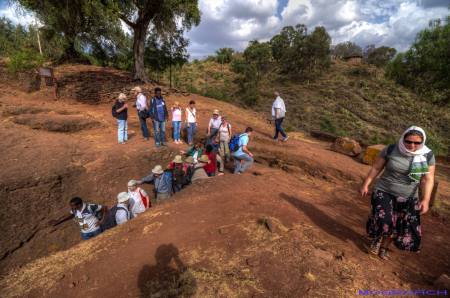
(55, 122)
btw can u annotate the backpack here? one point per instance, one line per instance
(178, 174)
(147, 203)
(110, 220)
(88, 209)
(234, 143)
(114, 111)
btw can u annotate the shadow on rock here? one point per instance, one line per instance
(169, 277)
(325, 222)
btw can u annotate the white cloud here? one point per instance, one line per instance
(17, 16)
(233, 23)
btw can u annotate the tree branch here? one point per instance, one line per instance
(126, 21)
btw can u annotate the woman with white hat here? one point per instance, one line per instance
(139, 199)
(408, 166)
(120, 112)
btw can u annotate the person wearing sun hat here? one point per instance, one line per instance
(199, 172)
(122, 212)
(178, 169)
(139, 199)
(162, 183)
(397, 204)
(213, 126)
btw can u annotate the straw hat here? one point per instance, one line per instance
(157, 170)
(137, 89)
(132, 183)
(204, 158)
(178, 159)
(216, 112)
(189, 159)
(122, 96)
(123, 197)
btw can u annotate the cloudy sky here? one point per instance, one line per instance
(233, 23)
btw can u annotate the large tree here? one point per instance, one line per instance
(162, 17)
(72, 20)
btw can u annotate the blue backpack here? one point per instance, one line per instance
(234, 143)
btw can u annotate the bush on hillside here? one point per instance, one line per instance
(24, 61)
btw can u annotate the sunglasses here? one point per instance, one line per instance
(411, 142)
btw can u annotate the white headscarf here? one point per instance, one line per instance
(419, 164)
(422, 150)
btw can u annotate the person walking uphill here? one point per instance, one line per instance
(278, 114)
(162, 182)
(159, 115)
(243, 158)
(120, 112)
(90, 217)
(142, 110)
(408, 166)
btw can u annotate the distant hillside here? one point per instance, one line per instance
(350, 100)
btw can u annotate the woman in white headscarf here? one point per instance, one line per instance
(408, 166)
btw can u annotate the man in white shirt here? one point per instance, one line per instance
(142, 110)
(278, 114)
(139, 199)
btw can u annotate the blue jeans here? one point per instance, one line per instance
(242, 167)
(176, 130)
(279, 129)
(122, 130)
(191, 132)
(87, 236)
(159, 128)
(144, 128)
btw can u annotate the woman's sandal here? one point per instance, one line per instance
(374, 247)
(383, 253)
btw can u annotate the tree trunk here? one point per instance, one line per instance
(140, 33)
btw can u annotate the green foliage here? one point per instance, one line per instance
(224, 55)
(379, 56)
(299, 54)
(346, 49)
(24, 60)
(425, 67)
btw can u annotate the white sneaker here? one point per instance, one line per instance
(285, 139)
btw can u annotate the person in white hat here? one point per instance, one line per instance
(162, 182)
(199, 169)
(213, 126)
(120, 112)
(142, 110)
(139, 199)
(122, 211)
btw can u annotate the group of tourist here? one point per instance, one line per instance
(399, 197)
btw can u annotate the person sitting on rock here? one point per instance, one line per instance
(162, 182)
(88, 216)
(199, 169)
(139, 199)
(195, 151)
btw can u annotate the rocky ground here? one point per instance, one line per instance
(293, 226)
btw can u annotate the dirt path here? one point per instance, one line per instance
(291, 227)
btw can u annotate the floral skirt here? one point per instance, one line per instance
(395, 217)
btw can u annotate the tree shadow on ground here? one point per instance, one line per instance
(169, 277)
(325, 222)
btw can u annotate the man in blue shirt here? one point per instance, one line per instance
(161, 181)
(159, 115)
(243, 158)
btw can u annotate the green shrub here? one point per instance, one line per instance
(23, 61)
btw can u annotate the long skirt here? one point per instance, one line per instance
(395, 217)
